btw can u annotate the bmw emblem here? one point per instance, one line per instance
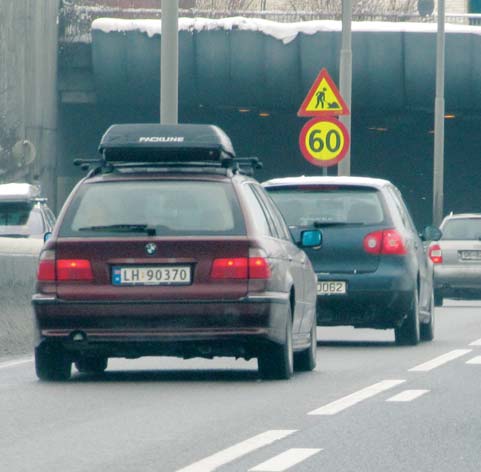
(151, 248)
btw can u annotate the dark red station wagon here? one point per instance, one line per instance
(168, 248)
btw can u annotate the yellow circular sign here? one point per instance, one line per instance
(324, 142)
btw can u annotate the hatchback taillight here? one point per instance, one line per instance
(436, 254)
(387, 242)
(240, 268)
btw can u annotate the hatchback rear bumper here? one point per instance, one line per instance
(145, 327)
(379, 299)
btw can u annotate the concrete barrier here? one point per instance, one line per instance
(18, 265)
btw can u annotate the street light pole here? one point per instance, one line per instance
(169, 63)
(438, 170)
(345, 78)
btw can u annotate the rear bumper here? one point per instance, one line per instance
(178, 328)
(457, 281)
(373, 300)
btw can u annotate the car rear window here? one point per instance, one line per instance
(305, 205)
(462, 229)
(180, 208)
(19, 219)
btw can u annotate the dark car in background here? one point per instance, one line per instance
(23, 212)
(372, 270)
(457, 258)
(168, 248)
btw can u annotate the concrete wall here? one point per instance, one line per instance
(28, 83)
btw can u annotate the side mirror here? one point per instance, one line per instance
(431, 233)
(311, 238)
(47, 236)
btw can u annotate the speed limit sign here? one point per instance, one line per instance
(324, 142)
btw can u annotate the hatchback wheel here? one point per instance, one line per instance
(306, 360)
(92, 365)
(276, 360)
(408, 332)
(427, 329)
(52, 363)
(438, 299)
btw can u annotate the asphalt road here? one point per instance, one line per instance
(369, 406)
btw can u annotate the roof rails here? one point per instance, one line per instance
(201, 148)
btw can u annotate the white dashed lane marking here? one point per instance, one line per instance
(356, 397)
(286, 460)
(238, 450)
(476, 343)
(5, 365)
(474, 360)
(407, 395)
(441, 360)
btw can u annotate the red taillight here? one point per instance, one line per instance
(436, 254)
(387, 242)
(46, 267)
(393, 243)
(240, 268)
(74, 269)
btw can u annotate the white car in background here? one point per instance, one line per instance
(456, 258)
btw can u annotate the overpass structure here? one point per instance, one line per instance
(249, 76)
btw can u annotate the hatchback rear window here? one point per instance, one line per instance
(462, 229)
(180, 208)
(19, 219)
(303, 206)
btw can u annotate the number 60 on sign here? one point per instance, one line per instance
(324, 142)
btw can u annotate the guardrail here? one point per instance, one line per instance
(18, 265)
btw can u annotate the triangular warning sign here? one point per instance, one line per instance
(323, 98)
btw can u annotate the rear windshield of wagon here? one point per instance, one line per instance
(303, 205)
(161, 208)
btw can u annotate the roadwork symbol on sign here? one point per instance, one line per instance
(323, 99)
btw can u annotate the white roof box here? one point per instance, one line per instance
(18, 192)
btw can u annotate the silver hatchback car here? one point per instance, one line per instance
(456, 258)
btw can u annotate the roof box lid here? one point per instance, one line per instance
(19, 192)
(157, 143)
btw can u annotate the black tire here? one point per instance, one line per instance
(276, 361)
(91, 365)
(438, 299)
(426, 331)
(306, 360)
(408, 334)
(52, 363)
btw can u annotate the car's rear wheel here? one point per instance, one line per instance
(52, 363)
(91, 365)
(427, 329)
(276, 361)
(409, 332)
(306, 360)
(438, 299)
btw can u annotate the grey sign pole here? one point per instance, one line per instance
(438, 172)
(169, 63)
(345, 78)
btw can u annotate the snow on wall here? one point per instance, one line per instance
(285, 32)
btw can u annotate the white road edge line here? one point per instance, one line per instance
(232, 453)
(474, 360)
(356, 397)
(5, 365)
(285, 460)
(439, 361)
(407, 396)
(476, 343)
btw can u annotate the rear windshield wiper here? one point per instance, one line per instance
(320, 224)
(123, 228)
